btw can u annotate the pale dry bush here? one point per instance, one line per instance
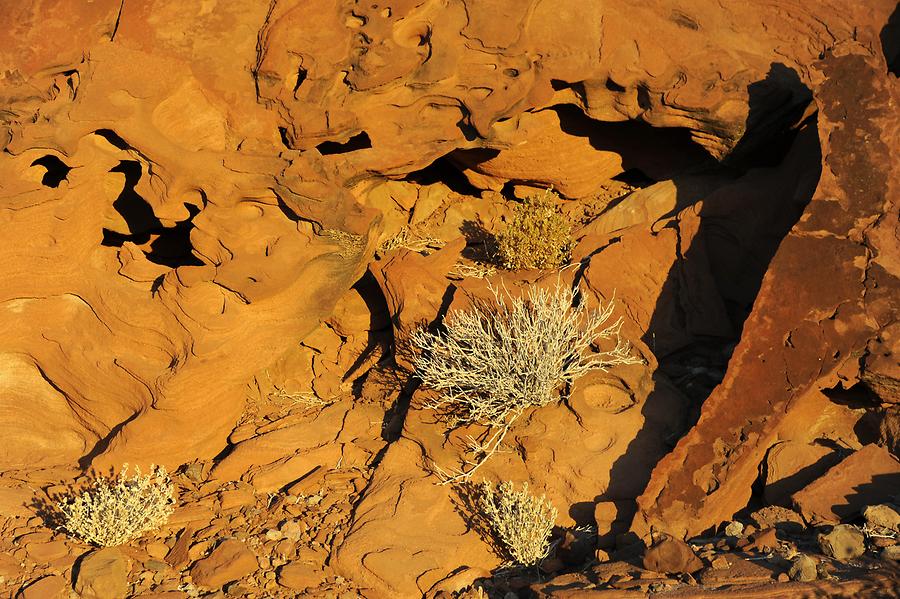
(471, 271)
(408, 240)
(498, 358)
(350, 245)
(538, 235)
(495, 360)
(520, 522)
(113, 511)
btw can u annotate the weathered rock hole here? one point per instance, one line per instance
(360, 141)
(301, 77)
(635, 177)
(444, 171)
(613, 86)
(57, 170)
(170, 246)
(659, 153)
(113, 138)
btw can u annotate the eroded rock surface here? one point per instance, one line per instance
(222, 221)
(813, 318)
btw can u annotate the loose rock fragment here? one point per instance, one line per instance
(884, 517)
(229, 561)
(672, 556)
(734, 529)
(803, 569)
(843, 542)
(103, 574)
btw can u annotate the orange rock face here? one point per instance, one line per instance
(813, 318)
(222, 221)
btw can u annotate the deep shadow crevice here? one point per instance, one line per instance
(360, 141)
(57, 170)
(740, 229)
(166, 246)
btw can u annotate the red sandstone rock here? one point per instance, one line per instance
(790, 466)
(182, 214)
(672, 556)
(48, 587)
(103, 574)
(812, 317)
(867, 477)
(299, 576)
(230, 560)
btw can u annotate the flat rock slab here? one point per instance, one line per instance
(48, 587)
(867, 477)
(740, 572)
(103, 574)
(231, 560)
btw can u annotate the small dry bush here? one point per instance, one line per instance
(520, 522)
(495, 360)
(498, 358)
(538, 236)
(114, 511)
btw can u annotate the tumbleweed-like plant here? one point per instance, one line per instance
(113, 511)
(520, 522)
(496, 359)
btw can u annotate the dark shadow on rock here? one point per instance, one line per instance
(740, 229)
(397, 380)
(890, 42)
(443, 170)
(171, 246)
(57, 170)
(882, 488)
(780, 491)
(380, 331)
(648, 153)
(45, 504)
(481, 244)
(777, 104)
(663, 417)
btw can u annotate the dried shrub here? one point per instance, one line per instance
(520, 522)
(471, 271)
(408, 240)
(350, 245)
(114, 511)
(538, 235)
(498, 358)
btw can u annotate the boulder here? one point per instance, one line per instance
(883, 517)
(843, 542)
(803, 569)
(889, 430)
(812, 319)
